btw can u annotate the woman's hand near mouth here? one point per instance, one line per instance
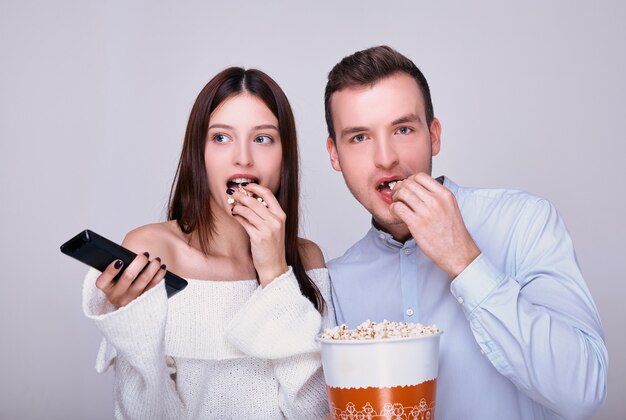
(265, 225)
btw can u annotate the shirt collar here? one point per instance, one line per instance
(380, 237)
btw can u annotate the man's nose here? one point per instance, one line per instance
(385, 154)
(243, 154)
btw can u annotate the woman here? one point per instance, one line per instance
(238, 342)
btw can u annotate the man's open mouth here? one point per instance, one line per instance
(388, 185)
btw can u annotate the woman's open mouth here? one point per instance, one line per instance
(235, 183)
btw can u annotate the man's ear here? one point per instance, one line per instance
(332, 152)
(435, 136)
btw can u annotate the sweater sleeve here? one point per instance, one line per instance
(134, 344)
(280, 324)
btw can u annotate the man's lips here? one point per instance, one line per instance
(385, 186)
(388, 182)
(386, 195)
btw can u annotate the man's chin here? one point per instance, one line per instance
(387, 220)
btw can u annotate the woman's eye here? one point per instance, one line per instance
(220, 138)
(404, 130)
(262, 139)
(358, 138)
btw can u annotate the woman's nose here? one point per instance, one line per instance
(243, 155)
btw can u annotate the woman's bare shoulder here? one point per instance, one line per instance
(155, 238)
(311, 254)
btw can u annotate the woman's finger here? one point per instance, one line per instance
(251, 203)
(265, 194)
(130, 273)
(105, 281)
(249, 218)
(273, 212)
(160, 275)
(145, 277)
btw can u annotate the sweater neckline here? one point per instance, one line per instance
(242, 281)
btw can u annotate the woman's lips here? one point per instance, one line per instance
(235, 182)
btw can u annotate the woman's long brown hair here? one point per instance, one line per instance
(189, 203)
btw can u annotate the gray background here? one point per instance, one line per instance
(94, 98)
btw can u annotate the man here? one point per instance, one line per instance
(494, 269)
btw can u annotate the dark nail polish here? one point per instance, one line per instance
(147, 254)
(158, 259)
(163, 266)
(230, 191)
(244, 184)
(118, 264)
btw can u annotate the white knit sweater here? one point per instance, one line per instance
(216, 350)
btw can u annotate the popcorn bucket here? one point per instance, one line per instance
(388, 378)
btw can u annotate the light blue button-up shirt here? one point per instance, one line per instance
(522, 336)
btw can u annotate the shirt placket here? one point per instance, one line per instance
(408, 282)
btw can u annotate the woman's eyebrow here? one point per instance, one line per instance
(224, 126)
(265, 127)
(256, 127)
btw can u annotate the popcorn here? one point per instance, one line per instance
(371, 330)
(393, 184)
(249, 194)
(232, 201)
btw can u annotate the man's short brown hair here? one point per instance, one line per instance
(367, 67)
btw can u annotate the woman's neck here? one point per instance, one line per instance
(229, 238)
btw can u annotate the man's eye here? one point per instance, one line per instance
(358, 138)
(220, 138)
(263, 139)
(404, 130)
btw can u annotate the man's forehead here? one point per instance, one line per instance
(394, 97)
(402, 79)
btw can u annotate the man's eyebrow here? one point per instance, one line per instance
(352, 130)
(409, 118)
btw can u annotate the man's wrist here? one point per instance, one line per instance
(462, 261)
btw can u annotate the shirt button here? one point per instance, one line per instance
(409, 312)
(460, 300)
(381, 235)
(407, 251)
